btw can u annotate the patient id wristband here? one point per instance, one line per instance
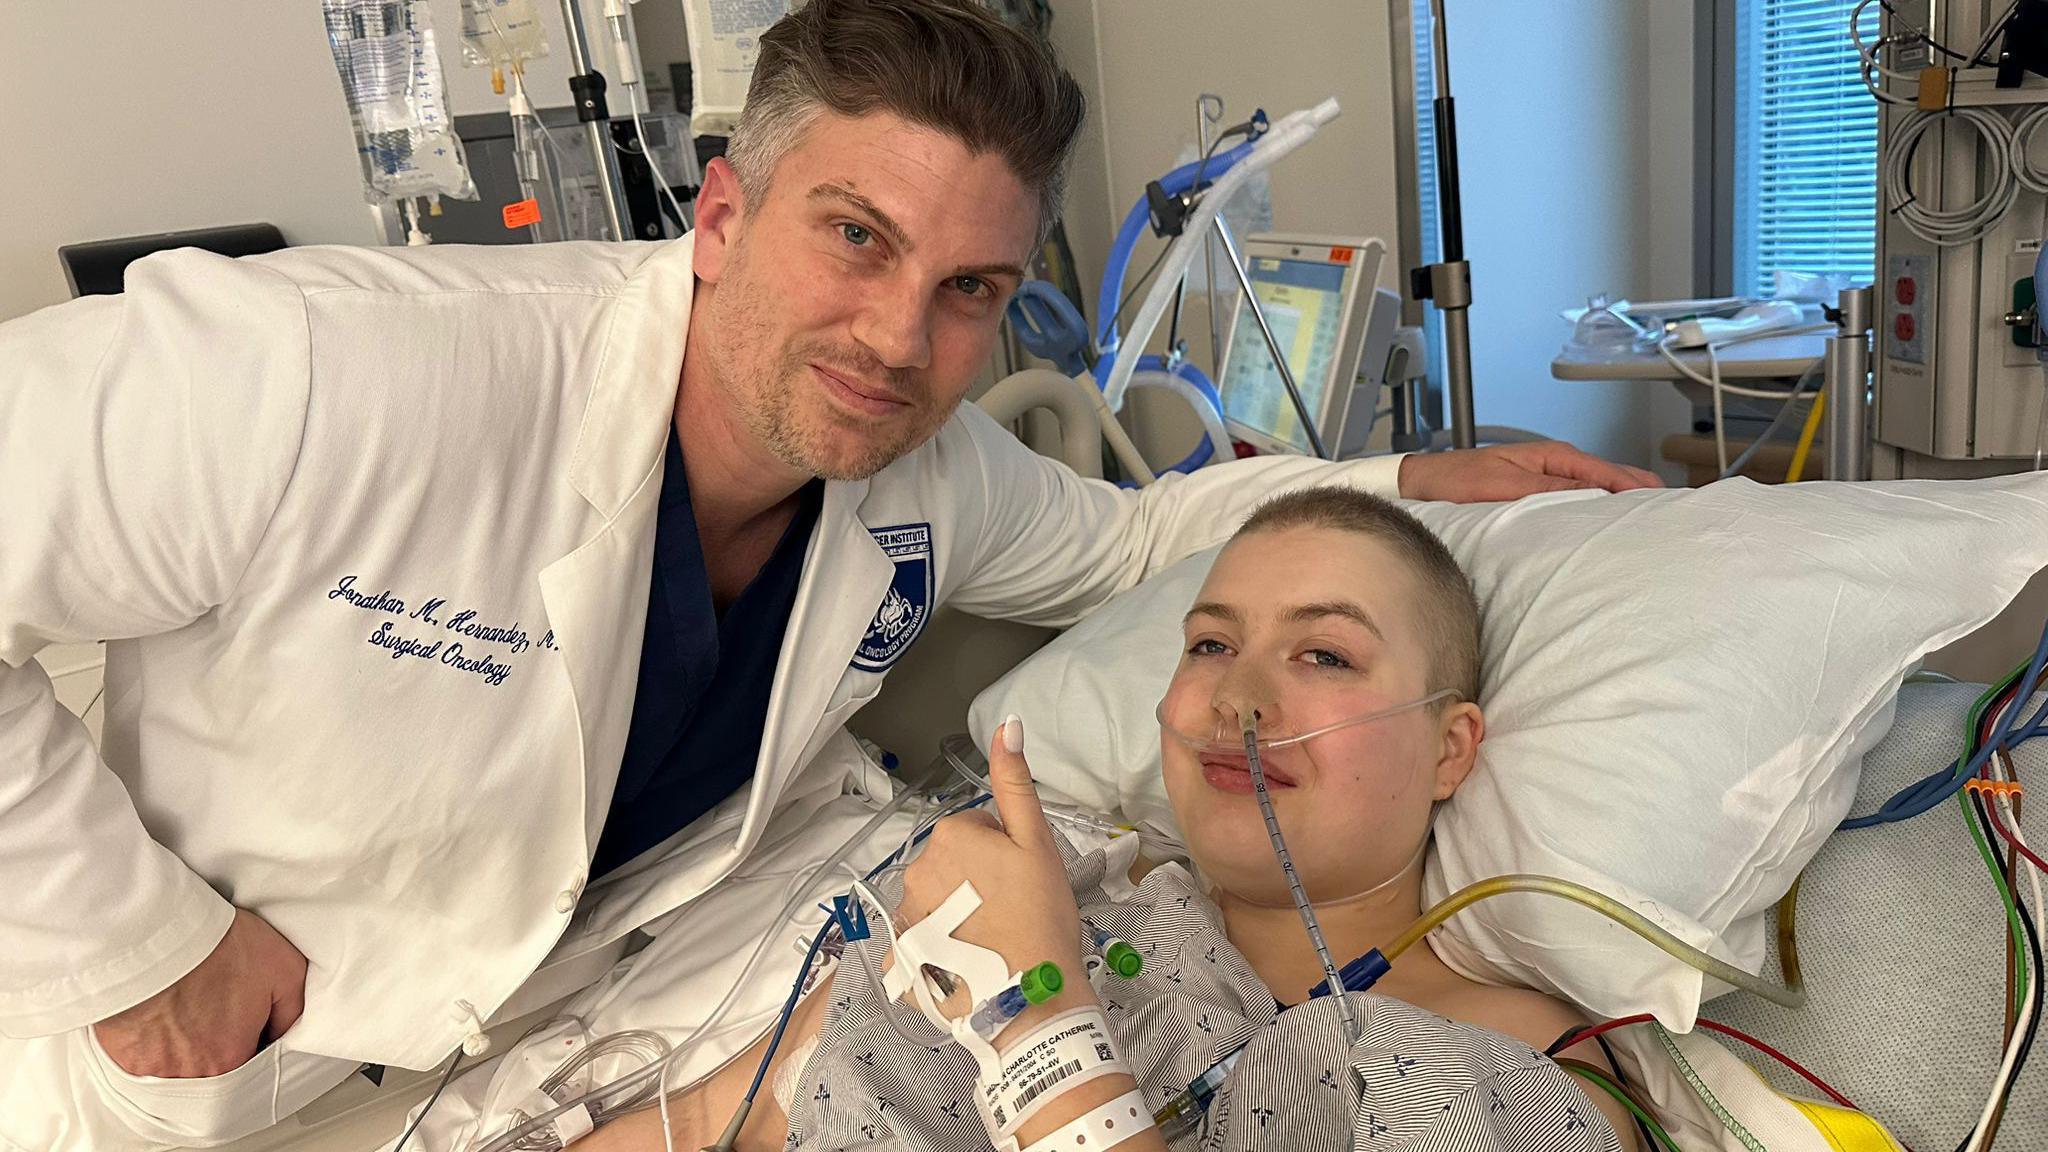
(1064, 1052)
(1103, 1127)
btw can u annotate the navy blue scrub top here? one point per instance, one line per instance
(702, 700)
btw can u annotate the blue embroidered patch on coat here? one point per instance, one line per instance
(906, 604)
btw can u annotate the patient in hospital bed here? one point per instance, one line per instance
(1327, 606)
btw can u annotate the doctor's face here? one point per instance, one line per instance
(850, 308)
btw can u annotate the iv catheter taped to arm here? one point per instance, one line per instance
(930, 941)
(1067, 1051)
(1298, 1083)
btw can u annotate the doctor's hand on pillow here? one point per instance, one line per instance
(242, 996)
(1027, 911)
(1506, 472)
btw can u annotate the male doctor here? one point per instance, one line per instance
(439, 585)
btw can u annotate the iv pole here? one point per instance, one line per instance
(587, 86)
(1448, 282)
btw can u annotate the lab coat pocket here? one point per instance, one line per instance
(272, 1084)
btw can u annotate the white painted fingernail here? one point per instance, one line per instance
(1013, 733)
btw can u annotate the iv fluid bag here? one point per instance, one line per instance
(501, 33)
(390, 68)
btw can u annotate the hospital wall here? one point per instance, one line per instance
(126, 117)
(132, 116)
(1575, 131)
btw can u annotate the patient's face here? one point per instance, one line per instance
(1309, 626)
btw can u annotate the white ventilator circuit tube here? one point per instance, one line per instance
(1288, 133)
(1212, 420)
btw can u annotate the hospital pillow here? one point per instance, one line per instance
(1679, 686)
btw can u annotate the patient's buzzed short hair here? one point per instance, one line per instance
(1449, 609)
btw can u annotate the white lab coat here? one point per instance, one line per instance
(369, 534)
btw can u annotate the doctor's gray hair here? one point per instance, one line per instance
(948, 65)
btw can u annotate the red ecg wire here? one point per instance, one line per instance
(1591, 1031)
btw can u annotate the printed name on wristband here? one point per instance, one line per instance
(1064, 1052)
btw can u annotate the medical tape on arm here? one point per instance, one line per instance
(1064, 1052)
(931, 941)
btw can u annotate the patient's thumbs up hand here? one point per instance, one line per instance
(1016, 795)
(1027, 911)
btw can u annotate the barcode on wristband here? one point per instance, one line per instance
(1038, 1087)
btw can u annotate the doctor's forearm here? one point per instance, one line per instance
(103, 917)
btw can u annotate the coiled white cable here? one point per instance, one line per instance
(1970, 223)
(2032, 177)
(2005, 164)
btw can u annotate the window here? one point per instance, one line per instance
(1805, 137)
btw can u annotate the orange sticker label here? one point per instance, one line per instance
(521, 214)
(1341, 255)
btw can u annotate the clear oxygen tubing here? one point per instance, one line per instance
(1287, 134)
(1250, 736)
(639, 1045)
(658, 1071)
(1232, 743)
(1791, 996)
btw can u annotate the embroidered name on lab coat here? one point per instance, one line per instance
(435, 633)
(906, 603)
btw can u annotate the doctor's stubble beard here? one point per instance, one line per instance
(779, 401)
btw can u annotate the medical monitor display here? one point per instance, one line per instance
(1304, 305)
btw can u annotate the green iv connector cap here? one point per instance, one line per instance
(1124, 960)
(1041, 983)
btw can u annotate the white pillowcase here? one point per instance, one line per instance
(1679, 687)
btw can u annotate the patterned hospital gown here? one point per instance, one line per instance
(1415, 1081)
